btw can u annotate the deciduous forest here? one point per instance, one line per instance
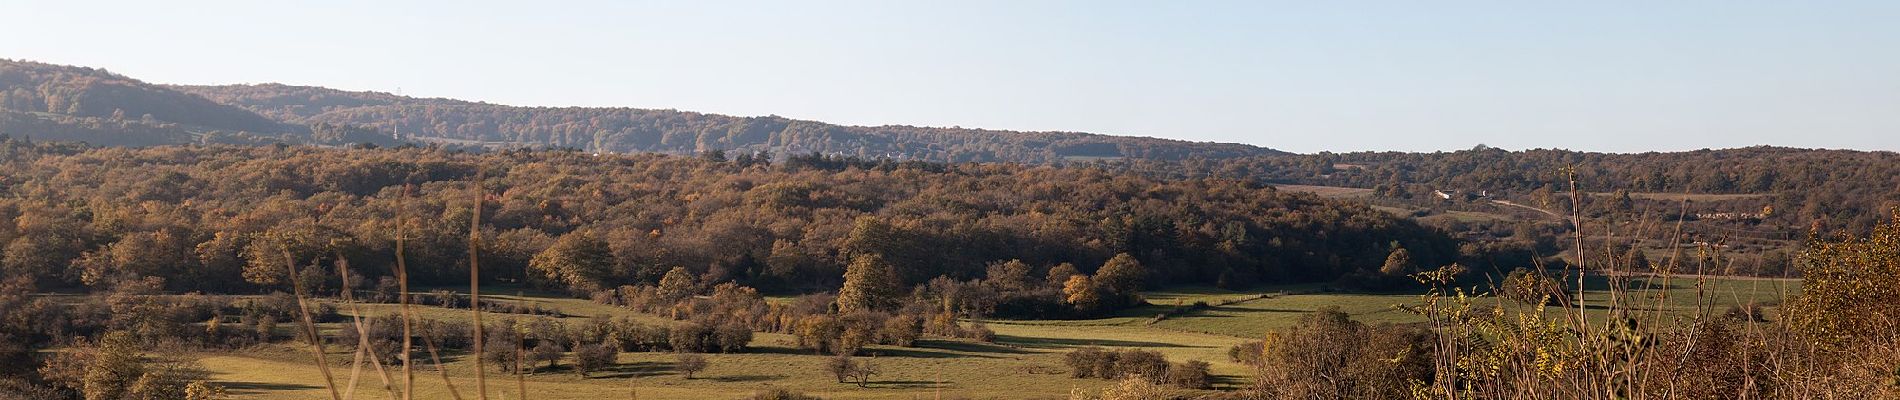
(273, 241)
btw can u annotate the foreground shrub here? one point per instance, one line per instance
(1527, 286)
(1246, 353)
(1190, 375)
(1327, 355)
(1132, 388)
(594, 357)
(1095, 362)
(731, 337)
(781, 394)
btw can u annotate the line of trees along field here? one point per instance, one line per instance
(213, 219)
(908, 248)
(1829, 189)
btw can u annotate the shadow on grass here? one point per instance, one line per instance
(967, 347)
(746, 378)
(782, 350)
(1231, 380)
(634, 370)
(1242, 310)
(916, 353)
(1046, 343)
(922, 349)
(908, 384)
(257, 387)
(1599, 283)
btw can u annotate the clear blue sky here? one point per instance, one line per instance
(1303, 76)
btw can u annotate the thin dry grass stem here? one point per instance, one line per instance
(309, 325)
(1634, 341)
(356, 371)
(402, 297)
(362, 333)
(1576, 224)
(521, 376)
(1675, 259)
(475, 281)
(436, 358)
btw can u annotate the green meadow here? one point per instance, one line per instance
(1025, 361)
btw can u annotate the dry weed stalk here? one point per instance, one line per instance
(402, 298)
(475, 281)
(363, 346)
(309, 325)
(436, 358)
(1615, 348)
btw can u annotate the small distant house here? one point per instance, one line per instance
(1461, 195)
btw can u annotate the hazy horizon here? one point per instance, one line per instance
(1624, 77)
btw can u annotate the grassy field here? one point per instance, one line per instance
(1700, 197)
(1023, 363)
(1468, 216)
(1336, 192)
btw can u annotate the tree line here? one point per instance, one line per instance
(217, 219)
(1803, 188)
(681, 132)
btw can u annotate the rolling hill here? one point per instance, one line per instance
(671, 131)
(56, 102)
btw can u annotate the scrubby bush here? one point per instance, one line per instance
(1246, 353)
(979, 332)
(1190, 375)
(732, 337)
(690, 363)
(841, 367)
(1329, 355)
(691, 337)
(548, 352)
(901, 330)
(443, 334)
(1095, 362)
(594, 357)
(781, 394)
(1527, 286)
(504, 347)
(819, 333)
(384, 337)
(633, 335)
(1145, 363)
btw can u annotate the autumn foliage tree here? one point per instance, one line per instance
(577, 261)
(1121, 277)
(1850, 287)
(870, 284)
(1397, 263)
(1082, 292)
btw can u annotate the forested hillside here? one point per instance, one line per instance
(1842, 190)
(207, 218)
(85, 104)
(59, 102)
(680, 132)
(1796, 188)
